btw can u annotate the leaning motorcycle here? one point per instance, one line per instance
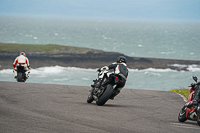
(191, 111)
(103, 93)
(21, 76)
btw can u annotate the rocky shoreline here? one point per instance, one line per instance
(87, 58)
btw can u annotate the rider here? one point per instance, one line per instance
(196, 89)
(23, 60)
(120, 69)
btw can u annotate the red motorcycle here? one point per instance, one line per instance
(191, 109)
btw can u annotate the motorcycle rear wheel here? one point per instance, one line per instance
(182, 115)
(19, 77)
(105, 96)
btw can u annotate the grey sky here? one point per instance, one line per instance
(162, 10)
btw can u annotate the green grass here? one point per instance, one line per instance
(42, 48)
(183, 91)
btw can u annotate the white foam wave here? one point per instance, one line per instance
(178, 65)
(50, 70)
(160, 70)
(6, 71)
(57, 70)
(153, 70)
(60, 69)
(193, 68)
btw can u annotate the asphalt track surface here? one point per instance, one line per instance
(47, 108)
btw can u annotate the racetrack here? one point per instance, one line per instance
(47, 108)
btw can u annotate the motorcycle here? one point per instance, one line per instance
(21, 75)
(103, 93)
(191, 111)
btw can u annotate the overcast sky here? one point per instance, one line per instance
(161, 10)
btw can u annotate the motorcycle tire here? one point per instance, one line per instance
(105, 96)
(198, 120)
(19, 77)
(90, 97)
(182, 115)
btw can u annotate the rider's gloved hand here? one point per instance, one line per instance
(104, 68)
(99, 70)
(189, 104)
(192, 85)
(194, 102)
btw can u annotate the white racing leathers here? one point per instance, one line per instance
(23, 61)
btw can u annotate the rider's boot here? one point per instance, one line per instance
(198, 109)
(15, 72)
(98, 83)
(103, 84)
(93, 85)
(26, 73)
(115, 93)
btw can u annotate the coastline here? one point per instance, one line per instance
(68, 56)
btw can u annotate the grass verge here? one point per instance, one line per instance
(43, 48)
(183, 91)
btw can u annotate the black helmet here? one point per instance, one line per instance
(22, 53)
(121, 59)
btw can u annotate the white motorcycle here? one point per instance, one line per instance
(103, 93)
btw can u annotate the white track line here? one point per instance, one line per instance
(184, 125)
(184, 98)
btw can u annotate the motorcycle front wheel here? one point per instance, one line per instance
(182, 115)
(90, 97)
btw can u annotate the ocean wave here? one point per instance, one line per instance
(57, 69)
(60, 69)
(192, 68)
(153, 70)
(178, 65)
(6, 71)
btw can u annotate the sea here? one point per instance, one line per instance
(165, 40)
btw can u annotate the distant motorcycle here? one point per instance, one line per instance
(102, 94)
(21, 76)
(191, 111)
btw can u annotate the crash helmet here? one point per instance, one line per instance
(121, 59)
(22, 53)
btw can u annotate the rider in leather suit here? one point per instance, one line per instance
(21, 60)
(120, 69)
(196, 89)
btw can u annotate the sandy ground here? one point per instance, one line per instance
(47, 108)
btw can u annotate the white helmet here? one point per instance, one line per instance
(22, 53)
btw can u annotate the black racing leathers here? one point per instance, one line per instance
(197, 93)
(122, 71)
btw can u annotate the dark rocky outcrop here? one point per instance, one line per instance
(90, 59)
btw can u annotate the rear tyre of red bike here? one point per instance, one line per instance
(198, 120)
(182, 115)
